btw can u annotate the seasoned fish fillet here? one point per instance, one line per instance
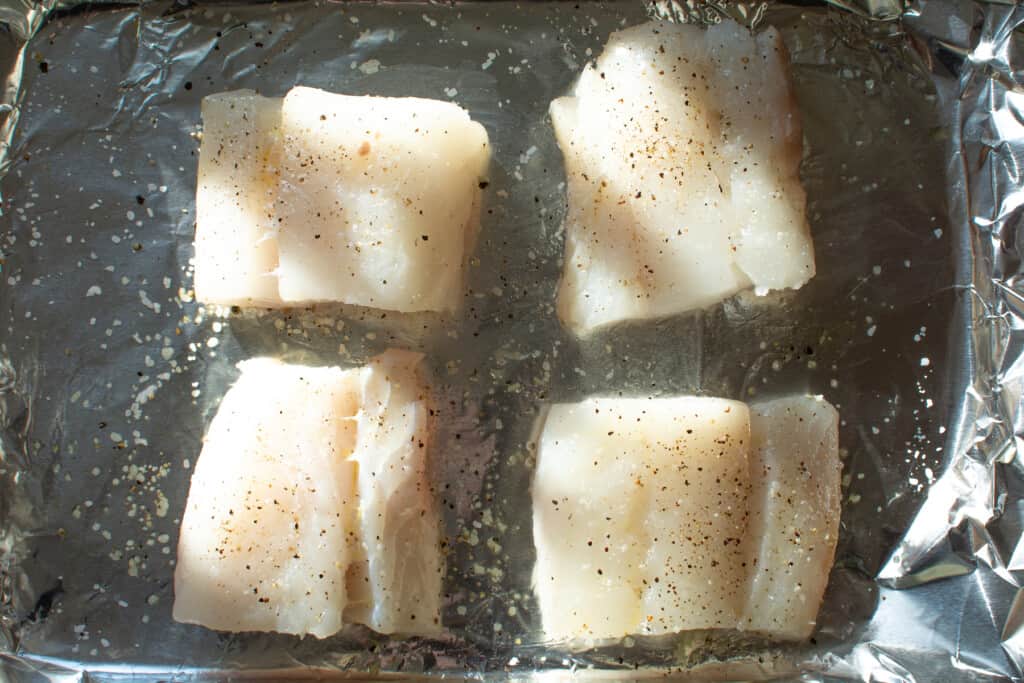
(310, 503)
(640, 506)
(264, 539)
(654, 516)
(795, 507)
(236, 248)
(682, 149)
(399, 582)
(378, 202)
(372, 201)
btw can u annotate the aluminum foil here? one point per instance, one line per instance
(913, 327)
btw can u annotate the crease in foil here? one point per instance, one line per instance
(914, 327)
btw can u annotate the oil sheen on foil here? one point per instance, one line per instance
(913, 327)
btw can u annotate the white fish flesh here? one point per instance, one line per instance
(682, 149)
(640, 507)
(264, 540)
(655, 516)
(795, 507)
(398, 523)
(372, 201)
(310, 506)
(236, 249)
(379, 199)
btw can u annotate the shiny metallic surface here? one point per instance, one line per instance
(913, 327)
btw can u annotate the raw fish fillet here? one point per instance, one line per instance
(399, 582)
(310, 503)
(379, 199)
(236, 249)
(655, 516)
(264, 539)
(682, 148)
(372, 201)
(795, 507)
(639, 511)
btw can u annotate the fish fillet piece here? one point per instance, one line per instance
(682, 148)
(654, 516)
(397, 584)
(236, 249)
(264, 538)
(373, 201)
(310, 505)
(795, 509)
(378, 202)
(640, 508)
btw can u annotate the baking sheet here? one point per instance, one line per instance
(109, 371)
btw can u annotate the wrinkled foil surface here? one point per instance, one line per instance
(913, 327)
